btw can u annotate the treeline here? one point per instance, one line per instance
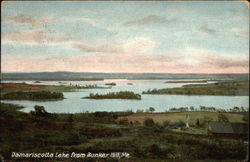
(209, 109)
(88, 86)
(187, 81)
(38, 95)
(191, 108)
(115, 95)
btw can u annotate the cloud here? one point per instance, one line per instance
(26, 19)
(132, 55)
(133, 46)
(86, 20)
(167, 62)
(39, 36)
(128, 48)
(240, 32)
(207, 30)
(211, 59)
(104, 48)
(151, 19)
(139, 45)
(226, 62)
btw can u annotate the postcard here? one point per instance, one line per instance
(124, 80)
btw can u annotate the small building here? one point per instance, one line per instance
(232, 130)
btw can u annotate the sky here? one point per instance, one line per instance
(125, 36)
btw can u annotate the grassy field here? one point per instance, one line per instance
(13, 87)
(223, 88)
(181, 116)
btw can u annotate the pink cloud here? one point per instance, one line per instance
(25, 19)
(224, 62)
(134, 55)
(110, 64)
(35, 36)
(105, 48)
(212, 59)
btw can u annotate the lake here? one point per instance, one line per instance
(74, 104)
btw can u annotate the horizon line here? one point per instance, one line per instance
(109, 72)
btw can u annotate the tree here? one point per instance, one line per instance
(242, 109)
(222, 118)
(151, 109)
(236, 109)
(39, 111)
(139, 111)
(198, 123)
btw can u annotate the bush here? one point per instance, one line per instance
(198, 123)
(41, 112)
(149, 122)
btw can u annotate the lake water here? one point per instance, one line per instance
(74, 104)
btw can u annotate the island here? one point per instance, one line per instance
(112, 84)
(194, 81)
(14, 87)
(37, 81)
(223, 88)
(115, 95)
(37, 95)
(91, 79)
(186, 81)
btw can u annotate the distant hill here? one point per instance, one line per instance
(57, 76)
